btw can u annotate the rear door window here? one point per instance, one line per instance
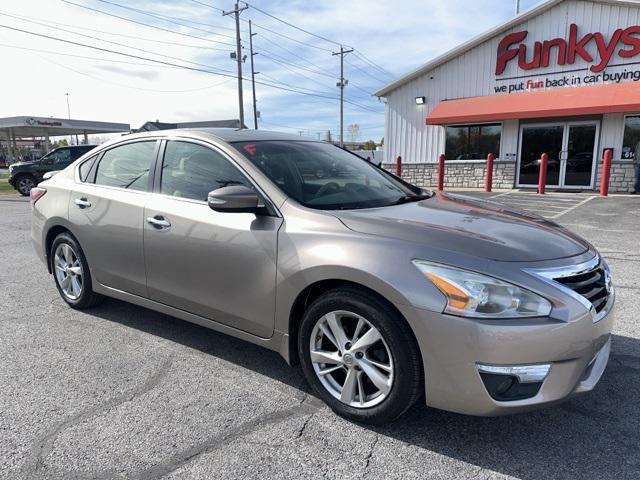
(127, 166)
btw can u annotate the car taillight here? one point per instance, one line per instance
(36, 194)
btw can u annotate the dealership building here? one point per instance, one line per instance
(561, 78)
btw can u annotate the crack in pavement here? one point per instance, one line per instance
(181, 459)
(376, 439)
(44, 445)
(304, 425)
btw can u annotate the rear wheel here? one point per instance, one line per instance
(71, 273)
(360, 356)
(24, 184)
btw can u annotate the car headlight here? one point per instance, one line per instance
(471, 294)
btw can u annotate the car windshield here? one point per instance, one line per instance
(323, 176)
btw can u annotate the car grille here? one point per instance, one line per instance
(592, 285)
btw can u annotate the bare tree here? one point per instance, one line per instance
(354, 132)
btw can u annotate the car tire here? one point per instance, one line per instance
(396, 353)
(24, 184)
(71, 273)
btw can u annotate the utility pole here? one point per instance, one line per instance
(69, 117)
(341, 84)
(236, 11)
(253, 78)
(517, 7)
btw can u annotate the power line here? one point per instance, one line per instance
(275, 57)
(195, 69)
(359, 54)
(101, 79)
(321, 37)
(365, 72)
(84, 57)
(265, 37)
(295, 72)
(146, 24)
(373, 64)
(208, 6)
(294, 26)
(281, 60)
(164, 18)
(77, 27)
(115, 43)
(291, 38)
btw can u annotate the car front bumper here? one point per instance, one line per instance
(454, 349)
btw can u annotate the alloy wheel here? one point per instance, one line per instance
(351, 359)
(68, 271)
(25, 184)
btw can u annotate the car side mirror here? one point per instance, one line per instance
(48, 175)
(235, 199)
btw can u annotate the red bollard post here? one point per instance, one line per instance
(488, 178)
(399, 166)
(441, 172)
(606, 173)
(542, 179)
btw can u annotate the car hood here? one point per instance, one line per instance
(23, 164)
(468, 226)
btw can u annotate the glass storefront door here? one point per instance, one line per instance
(572, 150)
(536, 140)
(580, 154)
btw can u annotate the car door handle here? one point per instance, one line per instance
(159, 222)
(82, 202)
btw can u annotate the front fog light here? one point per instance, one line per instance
(471, 294)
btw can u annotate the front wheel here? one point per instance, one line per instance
(24, 184)
(360, 356)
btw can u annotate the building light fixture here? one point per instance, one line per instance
(421, 100)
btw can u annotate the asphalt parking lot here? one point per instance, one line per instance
(124, 392)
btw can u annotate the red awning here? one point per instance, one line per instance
(560, 102)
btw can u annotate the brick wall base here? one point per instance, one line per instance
(622, 176)
(458, 174)
(470, 174)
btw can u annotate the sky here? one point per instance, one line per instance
(169, 60)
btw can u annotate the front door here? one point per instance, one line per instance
(221, 266)
(572, 150)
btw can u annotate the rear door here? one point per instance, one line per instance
(106, 210)
(220, 266)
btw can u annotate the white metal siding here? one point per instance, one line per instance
(473, 74)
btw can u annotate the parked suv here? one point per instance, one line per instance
(383, 292)
(26, 175)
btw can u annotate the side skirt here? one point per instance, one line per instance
(279, 342)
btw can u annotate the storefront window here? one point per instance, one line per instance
(631, 136)
(472, 142)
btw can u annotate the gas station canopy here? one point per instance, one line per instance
(20, 127)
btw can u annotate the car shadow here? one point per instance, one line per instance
(596, 435)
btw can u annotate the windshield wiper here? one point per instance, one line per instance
(411, 198)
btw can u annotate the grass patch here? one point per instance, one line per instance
(5, 187)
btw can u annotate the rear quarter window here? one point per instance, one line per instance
(85, 169)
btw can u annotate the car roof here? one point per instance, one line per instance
(74, 146)
(224, 134)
